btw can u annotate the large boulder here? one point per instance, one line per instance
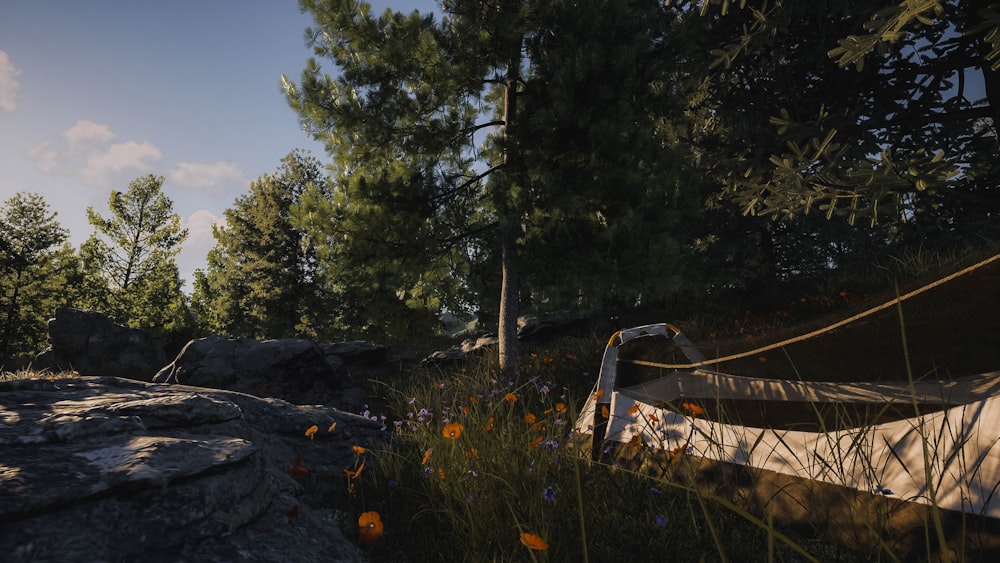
(108, 469)
(90, 343)
(299, 371)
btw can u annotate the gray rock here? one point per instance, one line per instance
(295, 370)
(107, 469)
(89, 343)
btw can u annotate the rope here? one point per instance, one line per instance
(872, 311)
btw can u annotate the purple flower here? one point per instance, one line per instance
(427, 473)
(883, 490)
(660, 520)
(469, 497)
(550, 493)
(655, 491)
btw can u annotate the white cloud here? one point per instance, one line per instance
(101, 164)
(87, 132)
(204, 174)
(9, 86)
(44, 157)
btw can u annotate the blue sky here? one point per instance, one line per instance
(94, 94)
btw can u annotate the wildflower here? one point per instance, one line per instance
(531, 541)
(536, 441)
(560, 407)
(441, 473)
(353, 474)
(426, 472)
(510, 398)
(370, 526)
(311, 431)
(440, 385)
(453, 430)
(489, 424)
(529, 418)
(549, 494)
(358, 450)
(692, 408)
(605, 412)
(559, 422)
(655, 491)
(636, 442)
(660, 520)
(472, 454)
(474, 400)
(550, 444)
(883, 490)
(544, 389)
(411, 400)
(598, 394)
(427, 456)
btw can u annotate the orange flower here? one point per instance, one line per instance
(653, 418)
(529, 418)
(311, 431)
(531, 541)
(489, 424)
(427, 456)
(441, 473)
(560, 407)
(453, 430)
(370, 526)
(465, 409)
(636, 442)
(358, 450)
(474, 400)
(599, 394)
(635, 408)
(510, 398)
(332, 426)
(536, 441)
(472, 454)
(692, 408)
(605, 412)
(354, 474)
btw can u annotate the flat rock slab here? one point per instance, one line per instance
(108, 469)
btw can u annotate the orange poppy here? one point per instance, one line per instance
(560, 407)
(311, 431)
(692, 408)
(510, 398)
(529, 418)
(427, 456)
(370, 526)
(536, 441)
(353, 474)
(489, 424)
(531, 541)
(358, 450)
(453, 430)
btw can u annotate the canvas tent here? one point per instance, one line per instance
(945, 452)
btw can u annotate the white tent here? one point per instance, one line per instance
(947, 452)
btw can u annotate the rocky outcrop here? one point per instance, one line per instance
(530, 330)
(299, 371)
(89, 343)
(108, 469)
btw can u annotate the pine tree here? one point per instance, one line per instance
(262, 278)
(29, 267)
(129, 260)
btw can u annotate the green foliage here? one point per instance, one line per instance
(896, 139)
(129, 267)
(263, 278)
(36, 274)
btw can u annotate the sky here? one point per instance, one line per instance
(97, 93)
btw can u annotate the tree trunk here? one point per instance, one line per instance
(509, 290)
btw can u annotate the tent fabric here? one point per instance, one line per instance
(961, 470)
